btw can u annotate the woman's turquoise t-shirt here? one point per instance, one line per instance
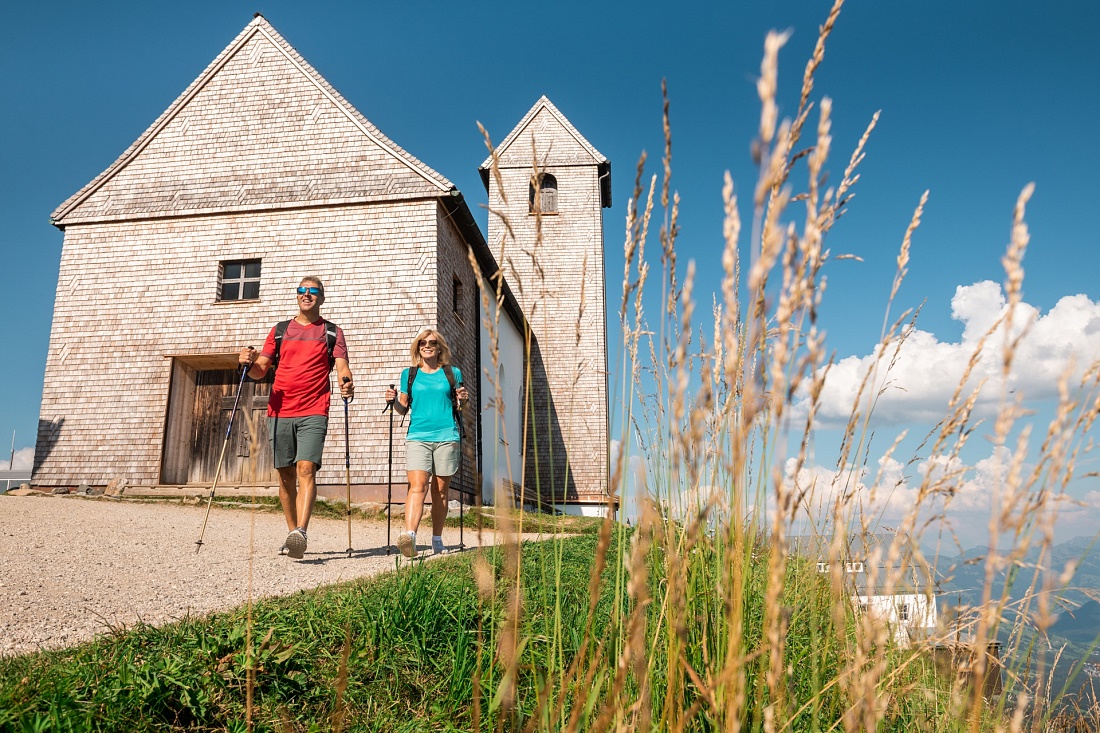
(432, 417)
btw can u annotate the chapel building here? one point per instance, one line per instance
(191, 243)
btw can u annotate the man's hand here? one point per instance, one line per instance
(347, 388)
(247, 355)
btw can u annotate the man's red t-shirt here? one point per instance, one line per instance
(301, 385)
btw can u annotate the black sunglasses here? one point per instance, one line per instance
(431, 342)
(312, 291)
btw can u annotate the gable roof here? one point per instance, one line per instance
(581, 151)
(362, 165)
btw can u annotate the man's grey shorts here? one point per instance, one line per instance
(296, 439)
(440, 459)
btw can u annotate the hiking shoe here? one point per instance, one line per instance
(407, 544)
(437, 546)
(296, 544)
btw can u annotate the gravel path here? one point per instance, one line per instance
(71, 568)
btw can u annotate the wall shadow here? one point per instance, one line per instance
(49, 432)
(547, 468)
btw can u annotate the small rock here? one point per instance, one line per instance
(84, 489)
(115, 487)
(95, 491)
(60, 490)
(21, 491)
(378, 509)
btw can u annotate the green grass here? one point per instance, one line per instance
(414, 647)
(419, 638)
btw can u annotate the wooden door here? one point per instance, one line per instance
(247, 453)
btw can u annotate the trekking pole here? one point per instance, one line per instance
(389, 479)
(347, 463)
(221, 458)
(461, 523)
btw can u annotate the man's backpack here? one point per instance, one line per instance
(454, 393)
(330, 342)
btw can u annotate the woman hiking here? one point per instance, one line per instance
(432, 391)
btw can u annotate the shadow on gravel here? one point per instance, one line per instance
(320, 558)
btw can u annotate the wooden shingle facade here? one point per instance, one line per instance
(552, 189)
(258, 174)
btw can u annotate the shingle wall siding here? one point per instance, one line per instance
(555, 144)
(131, 293)
(558, 279)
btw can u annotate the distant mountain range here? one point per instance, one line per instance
(1081, 626)
(1071, 640)
(962, 578)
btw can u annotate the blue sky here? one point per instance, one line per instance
(977, 98)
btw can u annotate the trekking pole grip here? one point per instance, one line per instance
(389, 403)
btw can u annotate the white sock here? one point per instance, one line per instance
(411, 533)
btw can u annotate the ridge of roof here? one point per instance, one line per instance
(260, 25)
(543, 103)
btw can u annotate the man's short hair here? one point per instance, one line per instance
(315, 280)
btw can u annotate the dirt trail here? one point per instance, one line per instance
(71, 568)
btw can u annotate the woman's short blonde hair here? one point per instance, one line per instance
(443, 351)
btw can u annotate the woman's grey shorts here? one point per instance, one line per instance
(296, 439)
(440, 459)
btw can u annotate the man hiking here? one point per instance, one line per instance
(303, 352)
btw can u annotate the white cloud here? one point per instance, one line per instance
(920, 384)
(963, 495)
(24, 460)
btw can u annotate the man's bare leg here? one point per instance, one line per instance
(307, 492)
(288, 495)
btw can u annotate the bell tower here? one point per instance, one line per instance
(546, 232)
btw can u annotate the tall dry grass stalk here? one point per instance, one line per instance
(710, 614)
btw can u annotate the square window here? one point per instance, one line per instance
(240, 280)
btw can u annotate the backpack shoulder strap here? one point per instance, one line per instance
(330, 341)
(280, 331)
(409, 384)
